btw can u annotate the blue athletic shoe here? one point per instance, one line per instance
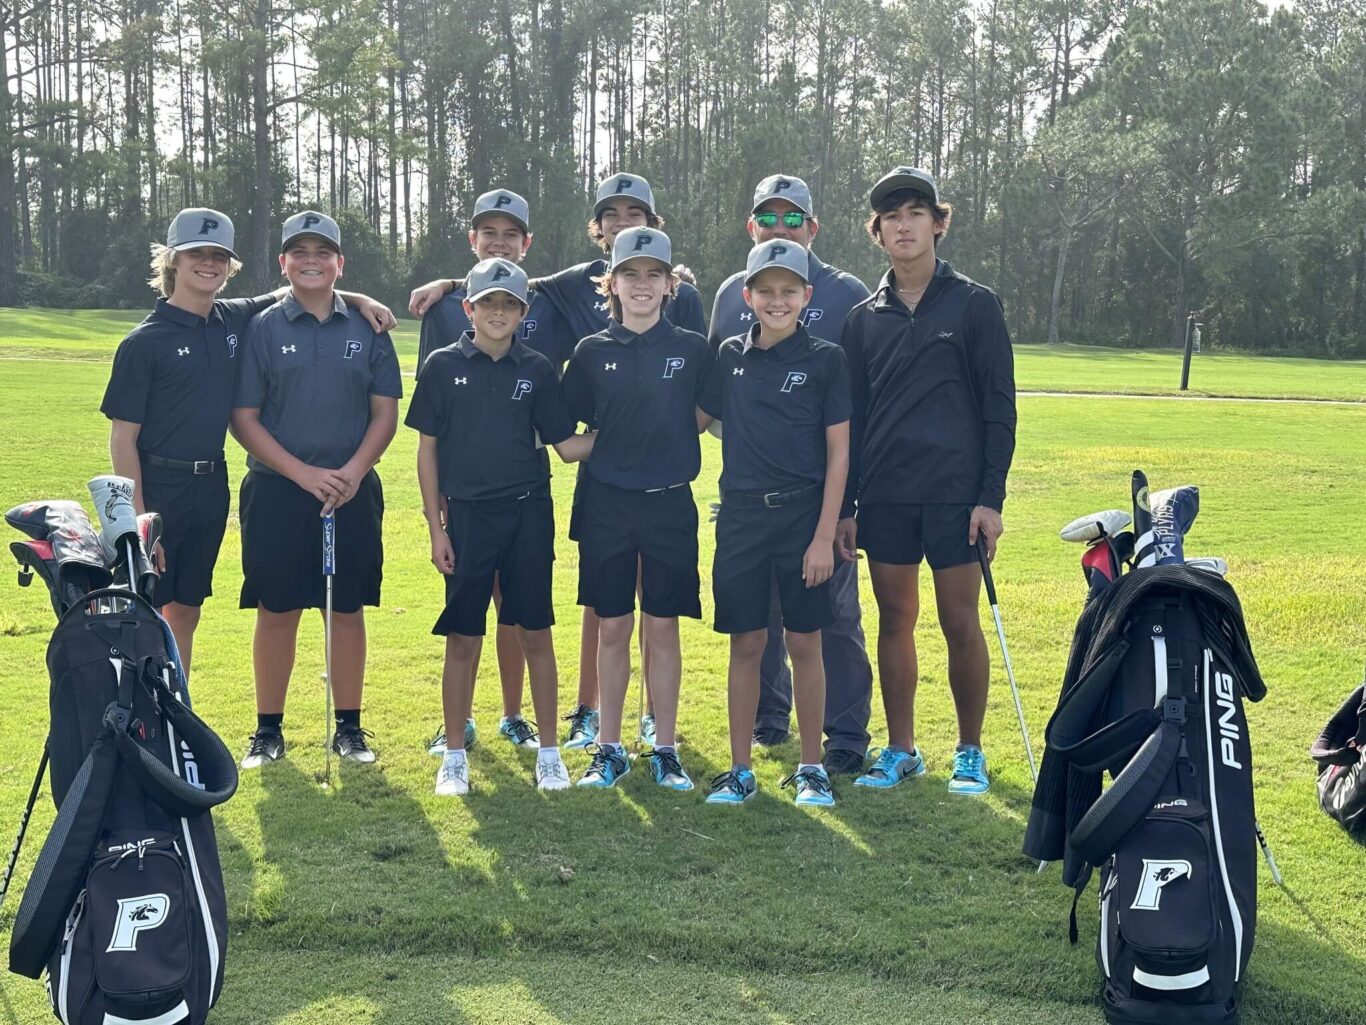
(609, 765)
(583, 727)
(969, 771)
(734, 787)
(647, 729)
(668, 770)
(518, 732)
(891, 767)
(437, 745)
(812, 786)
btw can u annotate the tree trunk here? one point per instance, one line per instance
(9, 259)
(1064, 244)
(260, 195)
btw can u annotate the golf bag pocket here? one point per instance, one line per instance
(130, 948)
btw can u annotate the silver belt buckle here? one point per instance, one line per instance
(769, 500)
(202, 467)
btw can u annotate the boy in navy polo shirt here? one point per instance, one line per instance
(635, 381)
(500, 227)
(783, 397)
(480, 406)
(169, 399)
(316, 406)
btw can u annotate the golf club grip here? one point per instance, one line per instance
(330, 544)
(986, 569)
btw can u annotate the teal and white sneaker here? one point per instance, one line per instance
(647, 729)
(891, 767)
(583, 727)
(812, 786)
(518, 732)
(437, 745)
(668, 770)
(734, 787)
(609, 765)
(969, 771)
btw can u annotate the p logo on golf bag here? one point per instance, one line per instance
(137, 915)
(671, 364)
(1157, 874)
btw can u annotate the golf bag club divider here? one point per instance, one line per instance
(125, 906)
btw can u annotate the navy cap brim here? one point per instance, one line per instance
(308, 234)
(202, 244)
(893, 182)
(496, 288)
(777, 266)
(474, 221)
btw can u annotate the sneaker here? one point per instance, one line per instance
(647, 729)
(734, 787)
(551, 773)
(843, 762)
(608, 766)
(668, 770)
(891, 767)
(350, 743)
(437, 745)
(969, 771)
(583, 727)
(771, 736)
(519, 732)
(266, 746)
(813, 788)
(453, 779)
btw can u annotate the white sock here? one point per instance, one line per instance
(455, 758)
(548, 754)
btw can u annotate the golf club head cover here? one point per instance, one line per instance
(1097, 565)
(114, 507)
(1095, 526)
(1172, 513)
(1209, 563)
(36, 556)
(36, 519)
(76, 547)
(1347, 727)
(1143, 520)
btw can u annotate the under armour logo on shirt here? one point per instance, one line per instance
(289, 348)
(609, 366)
(746, 316)
(738, 372)
(602, 306)
(671, 364)
(462, 380)
(184, 352)
(794, 378)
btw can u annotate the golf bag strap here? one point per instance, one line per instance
(1075, 715)
(1346, 727)
(214, 765)
(1129, 798)
(60, 870)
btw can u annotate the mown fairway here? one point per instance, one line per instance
(378, 903)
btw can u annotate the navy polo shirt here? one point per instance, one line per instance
(543, 329)
(575, 295)
(641, 392)
(175, 373)
(776, 404)
(312, 381)
(833, 294)
(485, 415)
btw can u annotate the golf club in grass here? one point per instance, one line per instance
(1005, 651)
(329, 570)
(23, 824)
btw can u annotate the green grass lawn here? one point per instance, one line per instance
(377, 902)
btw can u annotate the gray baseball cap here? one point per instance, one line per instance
(783, 186)
(496, 275)
(778, 253)
(642, 242)
(199, 226)
(904, 178)
(501, 201)
(310, 223)
(629, 186)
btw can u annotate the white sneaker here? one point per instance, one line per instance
(551, 774)
(453, 778)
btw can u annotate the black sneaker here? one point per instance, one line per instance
(350, 742)
(771, 736)
(267, 745)
(843, 762)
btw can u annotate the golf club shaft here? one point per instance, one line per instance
(1005, 652)
(23, 824)
(1266, 852)
(329, 570)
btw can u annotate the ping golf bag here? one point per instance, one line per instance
(125, 907)
(1159, 667)
(1341, 755)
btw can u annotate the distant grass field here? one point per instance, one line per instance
(379, 903)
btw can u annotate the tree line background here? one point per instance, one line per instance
(1113, 164)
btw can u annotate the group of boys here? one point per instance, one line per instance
(897, 441)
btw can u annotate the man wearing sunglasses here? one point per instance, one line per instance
(782, 209)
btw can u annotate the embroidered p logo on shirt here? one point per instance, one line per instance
(232, 346)
(811, 316)
(521, 388)
(671, 364)
(352, 347)
(795, 378)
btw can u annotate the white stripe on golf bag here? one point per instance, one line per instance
(1218, 831)
(1105, 924)
(1172, 982)
(172, 1016)
(1159, 668)
(64, 990)
(1145, 551)
(205, 913)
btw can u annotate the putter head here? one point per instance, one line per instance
(1095, 526)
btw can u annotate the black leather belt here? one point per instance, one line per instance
(771, 499)
(198, 467)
